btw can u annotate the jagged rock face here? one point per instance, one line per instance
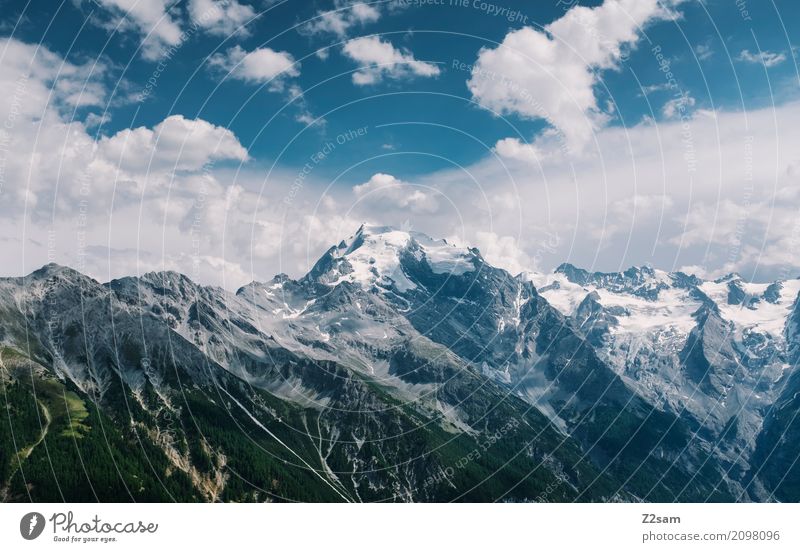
(596, 321)
(397, 356)
(717, 353)
(219, 391)
(640, 281)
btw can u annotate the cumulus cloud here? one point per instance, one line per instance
(552, 74)
(262, 65)
(765, 57)
(175, 143)
(34, 79)
(221, 17)
(504, 251)
(515, 149)
(638, 202)
(381, 59)
(387, 191)
(143, 197)
(269, 67)
(342, 18)
(690, 192)
(152, 19)
(39, 93)
(163, 25)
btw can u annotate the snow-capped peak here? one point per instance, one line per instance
(655, 298)
(377, 255)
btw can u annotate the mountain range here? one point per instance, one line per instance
(400, 368)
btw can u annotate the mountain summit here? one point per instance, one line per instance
(377, 255)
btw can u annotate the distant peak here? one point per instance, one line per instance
(573, 273)
(730, 277)
(54, 269)
(167, 275)
(50, 267)
(635, 270)
(644, 280)
(566, 267)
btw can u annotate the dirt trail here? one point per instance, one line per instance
(25, 452)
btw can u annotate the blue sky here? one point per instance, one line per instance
(468, 104)
(439, 34)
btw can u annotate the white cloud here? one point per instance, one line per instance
(153, 19)
(715, 191)
(513, 148)
(175, 143)
(39, 94)
(94, 120)
(221, 17)
(381, 59)
(162, 23)
(676, 193)
(34, 79)
(342, 18)
(552, 74)
(304, 115)
(68, 198)
(627, 215)
(262, 65)
(704, 51)
(504, 251)
(386, 191)
(637, 201)
(651, 88)
(767, 58)
(678, 107)
(269, 67)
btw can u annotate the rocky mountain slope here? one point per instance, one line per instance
(400, 368)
